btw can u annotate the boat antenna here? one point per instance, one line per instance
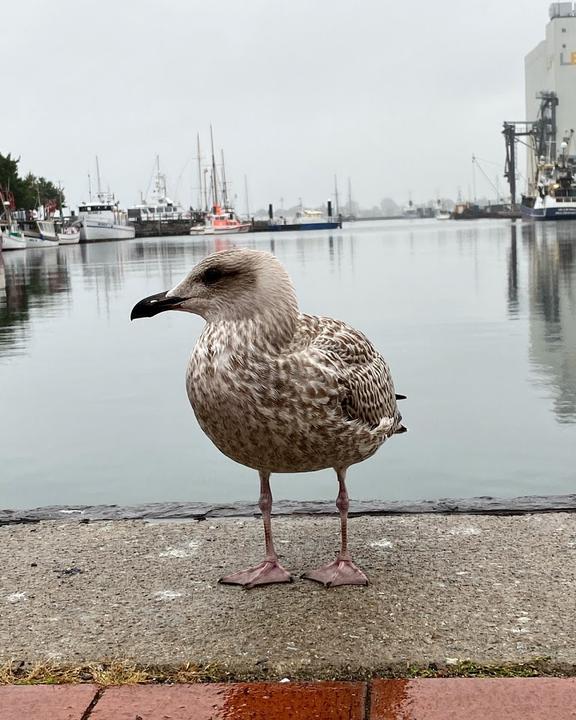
(89, 188)
(214, 176)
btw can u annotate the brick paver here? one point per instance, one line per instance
(426, 699)
(474, 699)
(45, 702)
(252, 701)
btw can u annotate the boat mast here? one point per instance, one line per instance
(98, 178)
(336, 198)
(205, 188)
(224, 185)
(89, 188)
(214, 176)
(199, 158)
(161, 188)
(158, 178)
(349, 197)
(246, 196)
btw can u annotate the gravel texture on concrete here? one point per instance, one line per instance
(444, 588)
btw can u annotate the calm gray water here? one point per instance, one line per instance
(477, 320)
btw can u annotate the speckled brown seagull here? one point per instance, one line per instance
(279, 391)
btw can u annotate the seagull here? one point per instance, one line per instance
(280, 391)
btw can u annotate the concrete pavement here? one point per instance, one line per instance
(444, 589)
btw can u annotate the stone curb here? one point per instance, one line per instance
(203, 511)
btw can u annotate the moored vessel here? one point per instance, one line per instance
(69, 235)
(220, 222)
(37, 241)
(11, 237)
(103, 219)
(555, 196)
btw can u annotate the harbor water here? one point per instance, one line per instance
(476, 319)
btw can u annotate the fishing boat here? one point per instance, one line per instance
(103, 219)
(37, 241)
(68, 235)
(158, 207)
(555, 197)
(441, 213)
(551, 193)
(220, 222)
(221, 219)
(11, 237)
(47, 229)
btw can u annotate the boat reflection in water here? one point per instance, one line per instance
(551, 300)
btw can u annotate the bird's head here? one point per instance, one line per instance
(237, 284)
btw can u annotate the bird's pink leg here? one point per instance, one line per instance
(341, 571)
(269, 570)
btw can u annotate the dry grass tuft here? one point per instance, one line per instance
(113, 672)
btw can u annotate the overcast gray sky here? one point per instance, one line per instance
(396, 95)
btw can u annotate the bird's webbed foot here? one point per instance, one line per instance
(341, 571)
(265, 573)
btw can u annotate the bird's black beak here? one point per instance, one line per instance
(154, 304)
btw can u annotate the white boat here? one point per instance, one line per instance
(159, 207)
(103, 219)
(47, 229)
(552, 194)
(58, 233)
(441, 212)
(69, 235)
(34, 241)
(13, 239)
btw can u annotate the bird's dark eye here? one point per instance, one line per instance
(212, 275)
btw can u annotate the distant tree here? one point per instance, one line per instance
(38, 191)
(9, 179)
(29, 192)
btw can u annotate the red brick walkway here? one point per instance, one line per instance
(434, 699)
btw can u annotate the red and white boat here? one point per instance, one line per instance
(220, 222)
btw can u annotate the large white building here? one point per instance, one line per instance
(551, 67)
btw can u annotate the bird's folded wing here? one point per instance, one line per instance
(365, 388)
